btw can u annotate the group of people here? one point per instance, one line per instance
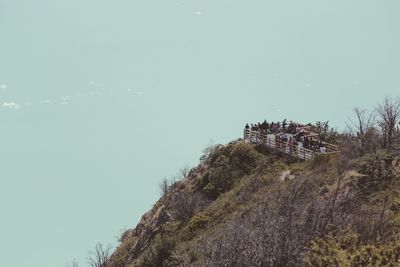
(276, 127)
(289, 134)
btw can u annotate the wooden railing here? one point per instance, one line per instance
(396, 141)
(258, 137)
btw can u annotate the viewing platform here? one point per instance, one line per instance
(297, 141)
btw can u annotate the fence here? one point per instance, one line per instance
(258, 137)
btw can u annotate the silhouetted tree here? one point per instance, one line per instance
(184, 172)
(100, 256)
(389, 114)
(164, 186)
(365, 132)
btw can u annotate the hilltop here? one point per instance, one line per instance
(284, 195)
(248, 205)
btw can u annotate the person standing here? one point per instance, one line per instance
(306, 142)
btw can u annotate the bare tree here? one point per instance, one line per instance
(186, 204)
(100, 256)
(74, 263)
(184, 172)
(208, 152)
(363, 121)
(276, 232)
(389, 114)
(164, 186)
(362, 128)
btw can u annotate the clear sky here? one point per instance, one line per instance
(101, 99)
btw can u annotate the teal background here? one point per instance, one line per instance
(101, 99)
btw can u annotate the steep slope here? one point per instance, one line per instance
(245, 205)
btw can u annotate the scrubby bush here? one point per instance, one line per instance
(377, 172)
(246, 191)
(124, 235)
(186, 204)
(227, 164)
(345, 250)
(273, 233)
(198, 222)
(325, 132)
(159, 253)
(327, 251)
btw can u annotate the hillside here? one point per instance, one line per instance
(248, 205)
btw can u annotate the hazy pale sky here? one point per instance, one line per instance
(101, 99)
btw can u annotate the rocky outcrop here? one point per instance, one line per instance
(153, 222)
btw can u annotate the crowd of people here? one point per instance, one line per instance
(289, 134)
(276, 127)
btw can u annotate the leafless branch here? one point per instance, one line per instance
(389, 114)
(100, 256)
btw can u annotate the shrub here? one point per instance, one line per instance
(247, 190)
(344, 250)
(186, 204)
(124, 235)
(198, 222)
(377, 172)
(271, 233)
(227, 164)
(325, 132)
(159, 253)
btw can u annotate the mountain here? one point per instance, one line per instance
(250, 205)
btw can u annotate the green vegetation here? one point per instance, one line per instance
(159, 253)
(197, 223)
(284, 212)
(247, 205)
(227, 165)
(345, 251)
(377, 172)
